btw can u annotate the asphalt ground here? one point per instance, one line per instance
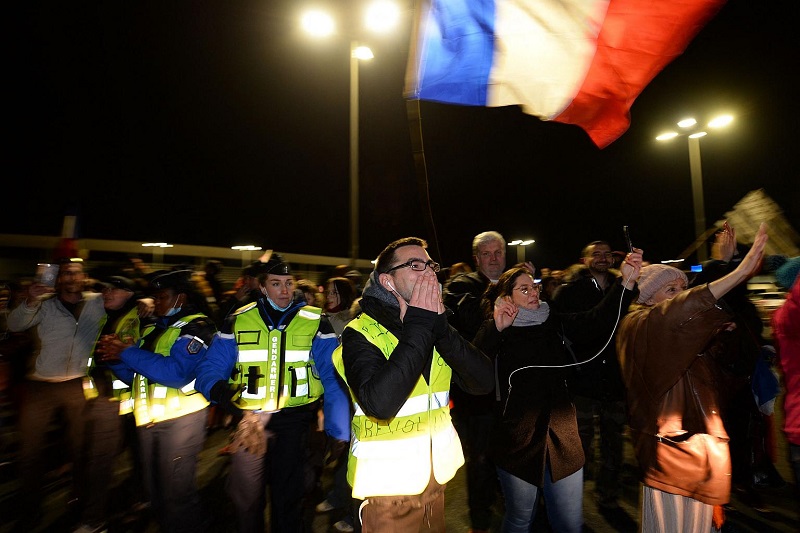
(778, 512)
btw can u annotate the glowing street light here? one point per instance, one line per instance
(380, 17)
(318, 23)
(246, 249)
(521, 244)
(158, 250)
(695, 168)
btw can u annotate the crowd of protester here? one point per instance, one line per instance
(121, 357)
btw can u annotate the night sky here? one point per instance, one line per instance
(218, 123)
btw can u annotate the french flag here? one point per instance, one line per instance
(579, 62)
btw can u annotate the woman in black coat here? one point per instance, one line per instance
(535, 442)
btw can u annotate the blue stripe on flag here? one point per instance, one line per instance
(455, 63)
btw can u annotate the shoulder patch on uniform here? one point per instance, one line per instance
(195, 345)
(244, 309)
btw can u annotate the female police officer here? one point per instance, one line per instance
(170, 415)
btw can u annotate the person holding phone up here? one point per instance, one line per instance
(67, 321)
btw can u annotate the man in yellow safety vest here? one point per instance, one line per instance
(398, 358)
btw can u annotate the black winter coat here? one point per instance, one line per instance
(536, 418)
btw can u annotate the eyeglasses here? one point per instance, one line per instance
(529, 289)
(417, 265)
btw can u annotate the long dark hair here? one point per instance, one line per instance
(503, 287)
(346, 290)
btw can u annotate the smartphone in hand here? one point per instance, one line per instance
(627, 238)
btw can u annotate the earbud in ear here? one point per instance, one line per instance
(391, 286)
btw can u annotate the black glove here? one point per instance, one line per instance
(222, 394)
(334, 448)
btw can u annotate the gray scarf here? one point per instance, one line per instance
(532, 317)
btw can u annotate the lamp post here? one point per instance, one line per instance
(521, 244)
(693, 135)
(380, 17)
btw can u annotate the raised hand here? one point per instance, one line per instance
(724, 244)
(505, 311)
(630, 268)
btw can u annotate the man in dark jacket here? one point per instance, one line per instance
(472, 415)
(597, 387)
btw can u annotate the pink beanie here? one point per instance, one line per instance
(653, 277)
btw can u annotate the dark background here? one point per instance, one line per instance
(218, 123)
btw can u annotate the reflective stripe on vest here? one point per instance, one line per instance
(89, 388)
(153, 402)
(127, 329)
(275, 368)
(395, 457)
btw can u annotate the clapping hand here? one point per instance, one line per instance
(426, 294)
(724, 244)
(110, 346)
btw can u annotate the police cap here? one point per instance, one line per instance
(118, 282)
(177, 280)
(277, 266)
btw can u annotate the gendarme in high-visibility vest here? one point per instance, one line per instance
(127, 329)
(275, 368)
(395, 457)
(153, 402)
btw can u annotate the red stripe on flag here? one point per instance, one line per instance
(637, 40)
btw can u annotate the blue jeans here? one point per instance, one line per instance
(563, 500)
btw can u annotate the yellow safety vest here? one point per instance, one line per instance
(127, 327)
(89, 387)
(275, 368)
(394, 457)
(153, 402)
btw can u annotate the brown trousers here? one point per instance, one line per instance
(422, 513)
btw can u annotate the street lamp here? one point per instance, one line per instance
(693, 133)
(246, 249)
(521, 244)
(158, 250)
(380, 17)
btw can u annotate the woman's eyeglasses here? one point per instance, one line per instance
(529, 289)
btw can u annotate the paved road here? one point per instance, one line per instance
(783, 503)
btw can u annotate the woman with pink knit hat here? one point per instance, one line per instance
(680, 442)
